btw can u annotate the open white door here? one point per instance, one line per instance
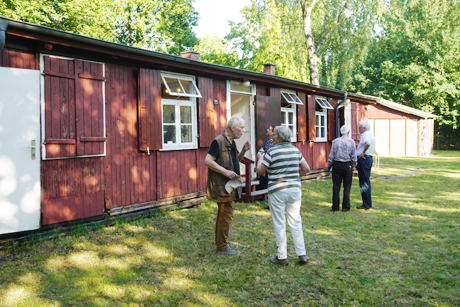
(19, 150)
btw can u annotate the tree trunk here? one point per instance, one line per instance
(307, 7)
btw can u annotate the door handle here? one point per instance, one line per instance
(32, 149)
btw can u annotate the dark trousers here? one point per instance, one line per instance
(341, 171)
(223, 221)
(364, 173)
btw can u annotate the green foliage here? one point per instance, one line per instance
(415, 61)
(213, 49)
(160, 25)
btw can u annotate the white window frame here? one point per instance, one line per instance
(182, 92)
(191, 102)
(291, 97)
(293, 100)
(325, 105)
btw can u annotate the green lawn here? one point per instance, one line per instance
(404, 252)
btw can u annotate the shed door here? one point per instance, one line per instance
(19, 163)
(398, 137)
(382, 136)
(411, 142)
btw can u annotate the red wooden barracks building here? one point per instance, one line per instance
(90, 128)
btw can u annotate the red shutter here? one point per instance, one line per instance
(207, 114)
(74, 108)
(150, 121)
(331, 119)
(89, 106)
(302, 118)
(311, 107)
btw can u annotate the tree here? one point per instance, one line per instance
(337, 32)
(161, 25)
(415, 61)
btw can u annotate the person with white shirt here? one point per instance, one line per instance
(364, 152)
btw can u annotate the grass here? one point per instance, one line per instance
(404, 252)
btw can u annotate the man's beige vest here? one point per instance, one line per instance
(216, 181)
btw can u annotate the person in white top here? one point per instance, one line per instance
(424, 142)
(364, 152)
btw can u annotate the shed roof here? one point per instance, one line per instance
(402, 108)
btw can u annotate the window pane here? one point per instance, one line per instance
(174, 85)
(322, 121)
(169, 116)
(283, 117)
(186, 133)
(323, 134)
(292, 129)
(169, 132)
(317, 120)
(188, 86)
(317, 133)
(297, 99)
(185, 115)
(240, 88)
(291, 117)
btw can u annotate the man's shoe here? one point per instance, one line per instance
(345, 210)
(232, 246)
(362, 207)
(303, 259)
(279, 261)
(227, 251)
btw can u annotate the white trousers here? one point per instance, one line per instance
(287, 200)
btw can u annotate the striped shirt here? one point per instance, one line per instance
(343, 150)
(283, 161)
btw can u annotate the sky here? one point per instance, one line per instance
(214, 15)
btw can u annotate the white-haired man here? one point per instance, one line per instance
(342, 160)
(282, 162)
(364, 152)
(222, 161)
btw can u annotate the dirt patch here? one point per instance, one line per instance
(400, 176)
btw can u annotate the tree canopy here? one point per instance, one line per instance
(160, 25)
(415, 59)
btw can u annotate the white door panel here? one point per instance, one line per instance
(19, 131)
(382, 136)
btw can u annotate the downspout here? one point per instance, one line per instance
(337, 116)
(3, 26)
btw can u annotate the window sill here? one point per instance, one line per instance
(179, 147)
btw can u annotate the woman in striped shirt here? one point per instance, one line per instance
(282, 162)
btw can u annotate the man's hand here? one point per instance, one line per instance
(230, 174)
(247, 146)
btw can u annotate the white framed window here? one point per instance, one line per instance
(289, 102)
(321, 126)
(322, 105)
(291, 97)
(180, 85)
(178, 111)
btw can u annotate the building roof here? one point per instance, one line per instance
(403, 108)
(54, 36)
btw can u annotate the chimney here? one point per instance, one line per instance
(193, 55)
(269, 68)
